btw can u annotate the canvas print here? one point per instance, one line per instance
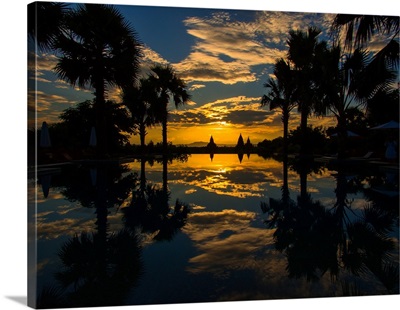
(185, 155)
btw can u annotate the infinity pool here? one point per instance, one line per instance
(196, 230)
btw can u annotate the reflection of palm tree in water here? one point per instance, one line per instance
(95, 271)
(303, 232)
(101, 271)
(365, 245)
(316, 240)
(149, 209)
(99, 268)
(107, 188)
(279, 208)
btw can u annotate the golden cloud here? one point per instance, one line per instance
(225, 50)
(41, 101)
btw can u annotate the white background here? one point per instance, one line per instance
(13, 86)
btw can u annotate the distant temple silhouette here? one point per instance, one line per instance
(242, 148)
(240, 144)
(211, 147)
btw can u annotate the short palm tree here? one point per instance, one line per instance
(140, 100)
(168, 85)
(99, 50)
(281, 91)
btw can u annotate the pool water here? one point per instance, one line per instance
(196, 229)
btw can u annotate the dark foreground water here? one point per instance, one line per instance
(196, 230)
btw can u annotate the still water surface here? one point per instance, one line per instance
(198, 230)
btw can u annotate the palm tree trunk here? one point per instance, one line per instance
(285, 120)
(285, 186)
(342, 137)
(142, 134)
(304, 149)
(100, 104)
(164, 136)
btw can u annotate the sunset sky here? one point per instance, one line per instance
(225, 57)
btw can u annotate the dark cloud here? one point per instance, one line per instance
(246, 117)
(189, 117)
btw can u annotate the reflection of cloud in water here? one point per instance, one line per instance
(197, 207)
(71, 226)
(63, 210)
(67, 226)
(229, 247)
(40, 265)
(43, 214)
(225, 240)
(190, 191)
(251, 184)
(311, 189)
(357, 203)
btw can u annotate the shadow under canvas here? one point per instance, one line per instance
(23, 300)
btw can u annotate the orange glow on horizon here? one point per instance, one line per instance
(225, 133)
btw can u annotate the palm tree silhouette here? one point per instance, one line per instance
(141, 102)
(359, 31)
(46, 22)
(347, 84)
(98, 50)
(365, 27)
(167, 85)
(304, 51)
(281, 95)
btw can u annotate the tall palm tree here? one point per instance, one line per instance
(349, 81)
(140, 101)
(98, 50)
(46, 22)
(281, 95)
(304, 49)
(359, 30)
(168, 85)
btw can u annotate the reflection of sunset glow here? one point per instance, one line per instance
(225, 175)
